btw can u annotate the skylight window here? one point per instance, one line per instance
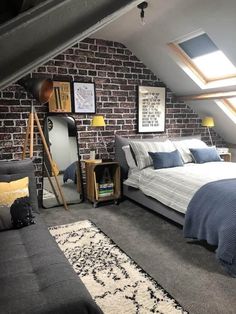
(215, 65)
(204, 62)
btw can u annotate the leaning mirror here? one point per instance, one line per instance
(61, 136)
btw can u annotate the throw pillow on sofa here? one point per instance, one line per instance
(17, 169)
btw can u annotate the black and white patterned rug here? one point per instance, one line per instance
(115, 281)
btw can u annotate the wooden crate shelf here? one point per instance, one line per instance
(94, 175)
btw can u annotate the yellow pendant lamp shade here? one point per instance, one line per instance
(98, 121)
(208, 122)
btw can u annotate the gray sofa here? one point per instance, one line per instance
(35, 276)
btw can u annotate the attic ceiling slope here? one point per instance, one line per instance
(168, 21)
(38, 34)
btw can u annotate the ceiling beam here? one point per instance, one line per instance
(208, 96)
(41, 33)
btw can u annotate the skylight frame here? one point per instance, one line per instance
(229, 104)
(186, 63)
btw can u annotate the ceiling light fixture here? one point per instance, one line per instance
(142, 6)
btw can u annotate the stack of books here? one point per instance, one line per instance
(105, 189)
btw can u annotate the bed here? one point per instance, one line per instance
(133, 192)
(182, 194)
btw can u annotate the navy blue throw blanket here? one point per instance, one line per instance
(211, 216)
(70, 173)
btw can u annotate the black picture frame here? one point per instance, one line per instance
(84, 97)
(151, 109)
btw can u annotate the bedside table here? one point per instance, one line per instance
(102, 181)
(225, 156)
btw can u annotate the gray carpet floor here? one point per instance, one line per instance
(189, 272)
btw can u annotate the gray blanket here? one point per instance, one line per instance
(211, 216)
(71, 173)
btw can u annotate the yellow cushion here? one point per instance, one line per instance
(9, 191)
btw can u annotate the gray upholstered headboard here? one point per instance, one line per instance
(120, 155)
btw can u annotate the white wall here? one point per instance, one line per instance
(73, 149)
(63, 148)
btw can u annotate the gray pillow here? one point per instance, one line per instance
(202, 155)
(142, 149)
(184, 143)
(166, 160)
(121, 141)
(18, 169)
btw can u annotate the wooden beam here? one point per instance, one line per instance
(187, 62)
(206, 96)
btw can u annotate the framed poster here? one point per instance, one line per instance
(151, 109)
(60, 101)
(84, 97)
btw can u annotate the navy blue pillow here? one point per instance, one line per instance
(202, 155)
(166, 160)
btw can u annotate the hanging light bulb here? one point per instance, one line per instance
(142, 6)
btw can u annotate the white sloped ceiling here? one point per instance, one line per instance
(167, 21)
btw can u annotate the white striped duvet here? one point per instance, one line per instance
(176, 186)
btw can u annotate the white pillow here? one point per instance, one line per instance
(183, 146)
(129, 157)
(141, 150)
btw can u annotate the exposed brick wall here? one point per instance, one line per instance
(116, 73)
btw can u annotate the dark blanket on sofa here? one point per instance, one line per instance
(211, 216)
(35, 277)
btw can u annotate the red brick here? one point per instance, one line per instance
(85, 53)
(75, 58)
(64, 64)
(62, 70)
(104, 67)
(4, 109)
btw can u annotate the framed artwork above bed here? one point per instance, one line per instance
(151, 109)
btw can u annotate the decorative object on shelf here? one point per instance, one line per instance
(142, 6)
(209, 123)
(61, 97)
(50, 124)
(223, 150)
(84, 97)
(97, 122)
(42, 90)
(226, 156)
(151, 109)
